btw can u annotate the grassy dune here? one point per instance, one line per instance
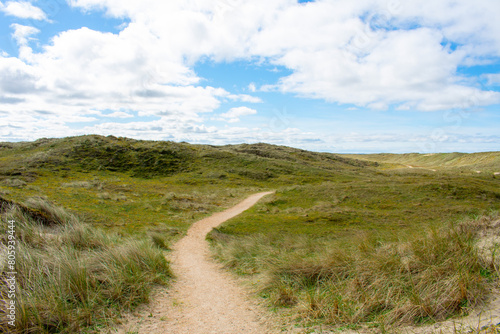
(348, 241)
(135, 186)
(372, 279)
(72, 277)
(487, 162)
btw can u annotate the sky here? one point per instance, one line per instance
(342, 76)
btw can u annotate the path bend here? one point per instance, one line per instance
(204, 299)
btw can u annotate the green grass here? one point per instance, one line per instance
(72, 277)
(377, 249)
(133, 186)
(379, 279)
(386, 201)
(362, 218)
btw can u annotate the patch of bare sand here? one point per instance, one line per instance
(203, 299)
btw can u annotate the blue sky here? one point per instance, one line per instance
(327, 75)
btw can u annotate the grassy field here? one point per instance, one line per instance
(394, 247)
(344, 241)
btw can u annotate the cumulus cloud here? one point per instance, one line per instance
(234, 114)
(84, 70)
(392, 56)
(368, 53)
(23, 10)
(18, 80)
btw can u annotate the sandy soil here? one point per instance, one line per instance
(203, 299)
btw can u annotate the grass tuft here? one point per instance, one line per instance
(72, 277)
(159, 241)
(424, 277)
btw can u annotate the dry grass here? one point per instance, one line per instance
(369, 278)
(72, 277)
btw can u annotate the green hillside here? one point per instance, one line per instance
(313, 246)
(132, 185)
(147, 159)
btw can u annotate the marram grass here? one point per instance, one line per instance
(368, 278)
(72, 277)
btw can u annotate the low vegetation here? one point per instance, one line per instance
(368, 278)
(139, 187)
(351, 240)
(383, 250)
(485, 162)
(72, 277)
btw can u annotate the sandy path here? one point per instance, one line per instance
(204, 299)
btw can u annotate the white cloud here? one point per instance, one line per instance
(23, 10)
(18, 80)
(366, 64)
(22, 33)
(234, 114)
(244, 98)
(370, 53)
(366, 53)
(85, 69)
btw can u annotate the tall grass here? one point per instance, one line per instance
(368, 278)
(72, 277)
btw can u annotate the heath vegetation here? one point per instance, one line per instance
(346, 240)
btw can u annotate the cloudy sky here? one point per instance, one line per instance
(325, 75)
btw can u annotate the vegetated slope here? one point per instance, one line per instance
(155, 186)
(369, 280)
(160, 158)
(324, 202)
(70, 276)
(89, 153)
(484, 161)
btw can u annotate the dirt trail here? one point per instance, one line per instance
(204, 299)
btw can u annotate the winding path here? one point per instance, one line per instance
(204, 299)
